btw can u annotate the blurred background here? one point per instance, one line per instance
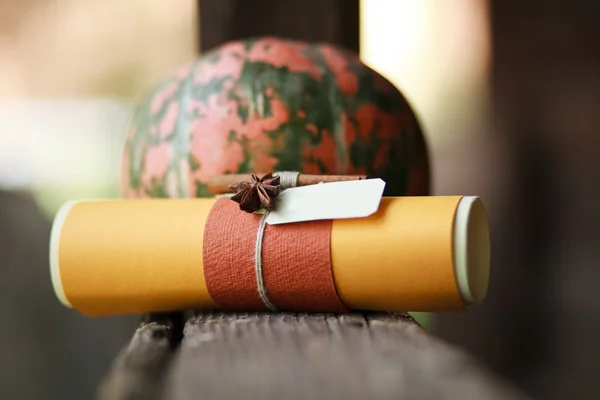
(507, 92)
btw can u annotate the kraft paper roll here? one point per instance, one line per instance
(138, 256)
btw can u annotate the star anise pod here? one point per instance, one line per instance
(256, 193)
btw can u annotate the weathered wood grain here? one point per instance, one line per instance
(139, 370)
(298, 356)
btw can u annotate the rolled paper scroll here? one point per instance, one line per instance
(138, 256)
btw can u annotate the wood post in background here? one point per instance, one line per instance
(544, 276)
(333, 21)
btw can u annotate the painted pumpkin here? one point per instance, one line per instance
(266, 105)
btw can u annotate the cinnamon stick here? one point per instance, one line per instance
(220, 183)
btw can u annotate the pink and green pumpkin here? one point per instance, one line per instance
(266, 105)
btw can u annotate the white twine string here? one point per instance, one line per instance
(287, 179)
(262, 290)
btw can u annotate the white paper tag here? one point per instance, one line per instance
(335, 200)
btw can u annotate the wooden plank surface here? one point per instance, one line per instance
(296, 356)
(139, 370)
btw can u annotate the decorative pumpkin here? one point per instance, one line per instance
(267, 105)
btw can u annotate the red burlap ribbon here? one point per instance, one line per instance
(296, 261)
